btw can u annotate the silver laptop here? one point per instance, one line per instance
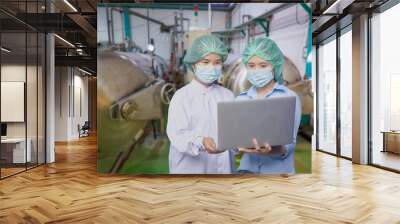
(268, 120)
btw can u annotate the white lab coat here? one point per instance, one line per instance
(192, 116)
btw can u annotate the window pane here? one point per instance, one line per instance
(14, 153)
(385, 84)
(31, 97)
(41, 99)
(327, 97)
(346, 94)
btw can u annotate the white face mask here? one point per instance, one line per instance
(260, 77)
(208, 74)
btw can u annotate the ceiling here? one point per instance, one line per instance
(74, 21)
(325, 22)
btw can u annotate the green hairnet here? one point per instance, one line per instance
(201, 47)
(268, 50)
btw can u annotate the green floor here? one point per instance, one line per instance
(302, 156)
(148, 159)
(153, 158)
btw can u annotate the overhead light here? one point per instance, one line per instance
(5, 50)
(80, 51)
(70, 5)
(331, 7)
(338, 6)
(84, 71)
(65, 41)
(150, 47)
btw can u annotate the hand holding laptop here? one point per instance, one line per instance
(264, 149)
(210, 146)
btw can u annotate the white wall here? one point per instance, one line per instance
(161, 40)
(253, 9)
(288, 29)
(16, 72)
(69, 82)
(79, 117)
(62, 83)
(33, 126)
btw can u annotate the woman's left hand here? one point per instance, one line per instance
(282, 150)
(263, 150)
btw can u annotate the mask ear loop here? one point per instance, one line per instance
(194, 68)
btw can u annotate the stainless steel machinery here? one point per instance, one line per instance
(130, 95)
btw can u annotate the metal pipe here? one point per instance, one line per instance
(122, 30)
(108, 25)
(173, 42)
(209, 16)
(148, 27)
(112, 28)
(173, 6)
(147, 18)
(248, 27)
(112, 23)
(180, 49)
(144, 17)
(267, 14)
(181, 21)
(240, 28)
(127, 25)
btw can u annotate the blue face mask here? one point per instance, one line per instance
(260, 77)
(208, 74)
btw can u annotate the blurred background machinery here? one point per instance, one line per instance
(131, 96)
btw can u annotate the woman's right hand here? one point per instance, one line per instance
(210, 145)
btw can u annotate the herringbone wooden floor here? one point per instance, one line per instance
(70, 191)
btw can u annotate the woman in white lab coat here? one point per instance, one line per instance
(192, 113)
(264, 64)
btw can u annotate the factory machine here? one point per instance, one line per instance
(135, 86)
(131, 98)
